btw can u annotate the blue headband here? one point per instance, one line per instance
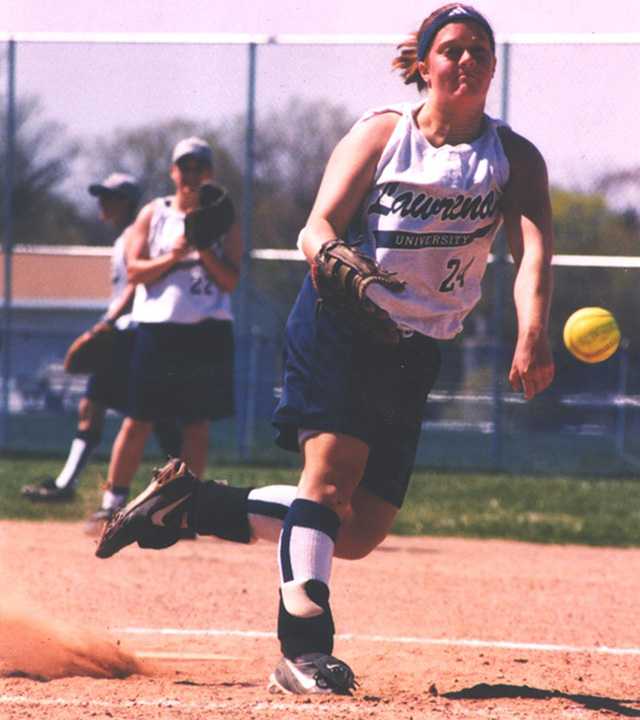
(456, 14)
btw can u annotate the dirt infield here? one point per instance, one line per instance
(439, 628)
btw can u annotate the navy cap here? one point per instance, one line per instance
(119, 184)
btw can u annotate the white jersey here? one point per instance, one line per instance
(185, 294)
(431, 217)
(119, 280)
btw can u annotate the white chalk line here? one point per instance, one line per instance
(169, 704)
(291, 709)
(161, 655)
(398, 639)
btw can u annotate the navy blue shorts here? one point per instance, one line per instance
(338, 381)
(111, 388)
(183, 371)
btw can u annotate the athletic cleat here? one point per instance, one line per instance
(47, 491)
(158, 517)
(312, 674)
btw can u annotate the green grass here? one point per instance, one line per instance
(532, 508)
(18, 471)
(588, 511)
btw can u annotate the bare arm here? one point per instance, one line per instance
(347, 178)
(528, 223)
(224, 270)
(140, 267)
(121, 305)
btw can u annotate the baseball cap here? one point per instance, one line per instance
(195, 147)
(118, 183)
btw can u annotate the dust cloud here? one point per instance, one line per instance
(34, 644)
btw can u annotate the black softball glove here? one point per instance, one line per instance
(341, 274)
(206, 225)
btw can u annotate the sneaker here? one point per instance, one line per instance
(47, 491)
(96, 522)
(312, 674)
(158, 517)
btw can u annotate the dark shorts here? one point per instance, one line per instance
(182, 371)
(111, 388)
(339, 382)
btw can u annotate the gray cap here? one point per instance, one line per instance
(195, 147)
(119, 184)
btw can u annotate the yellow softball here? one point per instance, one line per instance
(591, 334)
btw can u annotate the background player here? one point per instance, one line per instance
(423, 188)
(118, 196)
(183, 352)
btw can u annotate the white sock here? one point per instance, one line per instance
(268, 507)
(305, 553)
(311, 554)
(113, 501)
(76, 460)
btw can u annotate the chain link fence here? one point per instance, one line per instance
(79, 107)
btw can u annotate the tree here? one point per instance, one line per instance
(292, 148)
(145, 153)
(293, 144)
(624, 184)
(585, 224)
(43, 155)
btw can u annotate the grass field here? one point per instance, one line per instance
(530, 508)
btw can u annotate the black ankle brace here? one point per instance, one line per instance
(299, 635)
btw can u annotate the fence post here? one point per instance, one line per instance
(8, 242)
(253, 375)
(500, 266)
(243, 385)
(621, 410)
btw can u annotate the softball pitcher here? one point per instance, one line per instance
(397, 242)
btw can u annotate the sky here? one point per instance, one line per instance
(577, 103)
(296, 16)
